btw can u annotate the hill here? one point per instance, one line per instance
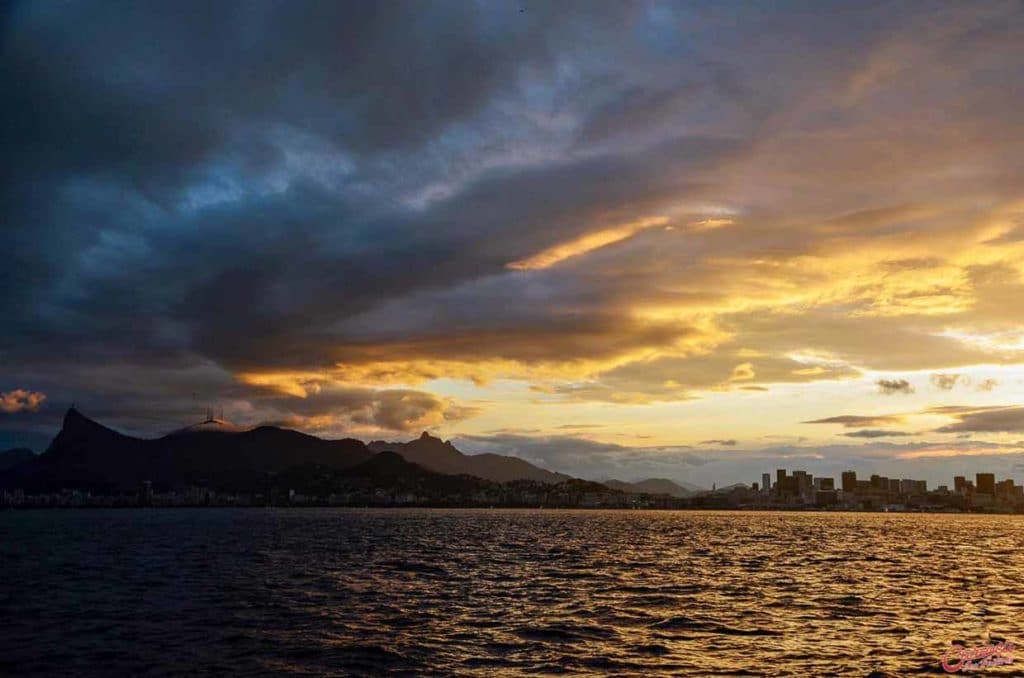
(89, 456)
(443, 457)
(15, 457)
(655, 486)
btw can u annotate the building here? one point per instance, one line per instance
(1005, 488)
(959, 484)
(766, 481)
(985, 483)
(803, 481)
(849, 481)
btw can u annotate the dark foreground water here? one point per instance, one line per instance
(499, 592)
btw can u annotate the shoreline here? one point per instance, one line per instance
(442, 507)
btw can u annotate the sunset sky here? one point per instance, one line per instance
(689, 240)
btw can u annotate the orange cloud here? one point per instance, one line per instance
(21, 400)
(585, 243)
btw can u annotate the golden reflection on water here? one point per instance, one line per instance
(503, 592)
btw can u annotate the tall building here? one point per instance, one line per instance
(959, 484)
(986, 483)
(803, 481)
(849, 481)
(824, 484)
(766, 481)
(780, 481)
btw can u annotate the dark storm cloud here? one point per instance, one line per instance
(194, 190)
(234, 180)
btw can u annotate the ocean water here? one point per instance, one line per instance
(502, 592)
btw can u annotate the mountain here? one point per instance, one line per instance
(443, 457)
(89, 456)
(384, 470)
(15, 457)
(655, 486)
(210, 425)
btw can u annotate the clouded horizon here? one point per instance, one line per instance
(690, 240)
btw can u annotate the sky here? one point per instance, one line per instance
(690, 240)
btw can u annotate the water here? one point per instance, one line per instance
(501, 592)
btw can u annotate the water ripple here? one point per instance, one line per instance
(500, 592)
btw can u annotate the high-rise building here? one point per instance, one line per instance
(766, 481)
(849, 481)
(803, 481)
(780, 481)
(986, 483)
(824, 484)
(959, 484)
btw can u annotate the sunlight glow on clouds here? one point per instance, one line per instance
(20, 400)
(760, 218)
(585, 244)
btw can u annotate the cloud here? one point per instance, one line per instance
(587, 458)
(876, 433)
(610, 203)
(891, 386)
(856, 421)
(585, 244)
(355, 410)
(1009, 419)
(987, 384)
(936, 462)
(728, 443)
(946, 382)
(20, 400)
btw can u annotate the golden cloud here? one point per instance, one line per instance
(21, 400)
(586, 243)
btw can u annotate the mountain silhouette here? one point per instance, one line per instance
(89, 456)
(277, 465)
(15, 457)
(443, 457)
(386, 469)
(655, 486)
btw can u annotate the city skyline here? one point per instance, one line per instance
(622, 240)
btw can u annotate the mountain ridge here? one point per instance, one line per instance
(15, 457)
(88, 455)
(672, 488)
(443, 457)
